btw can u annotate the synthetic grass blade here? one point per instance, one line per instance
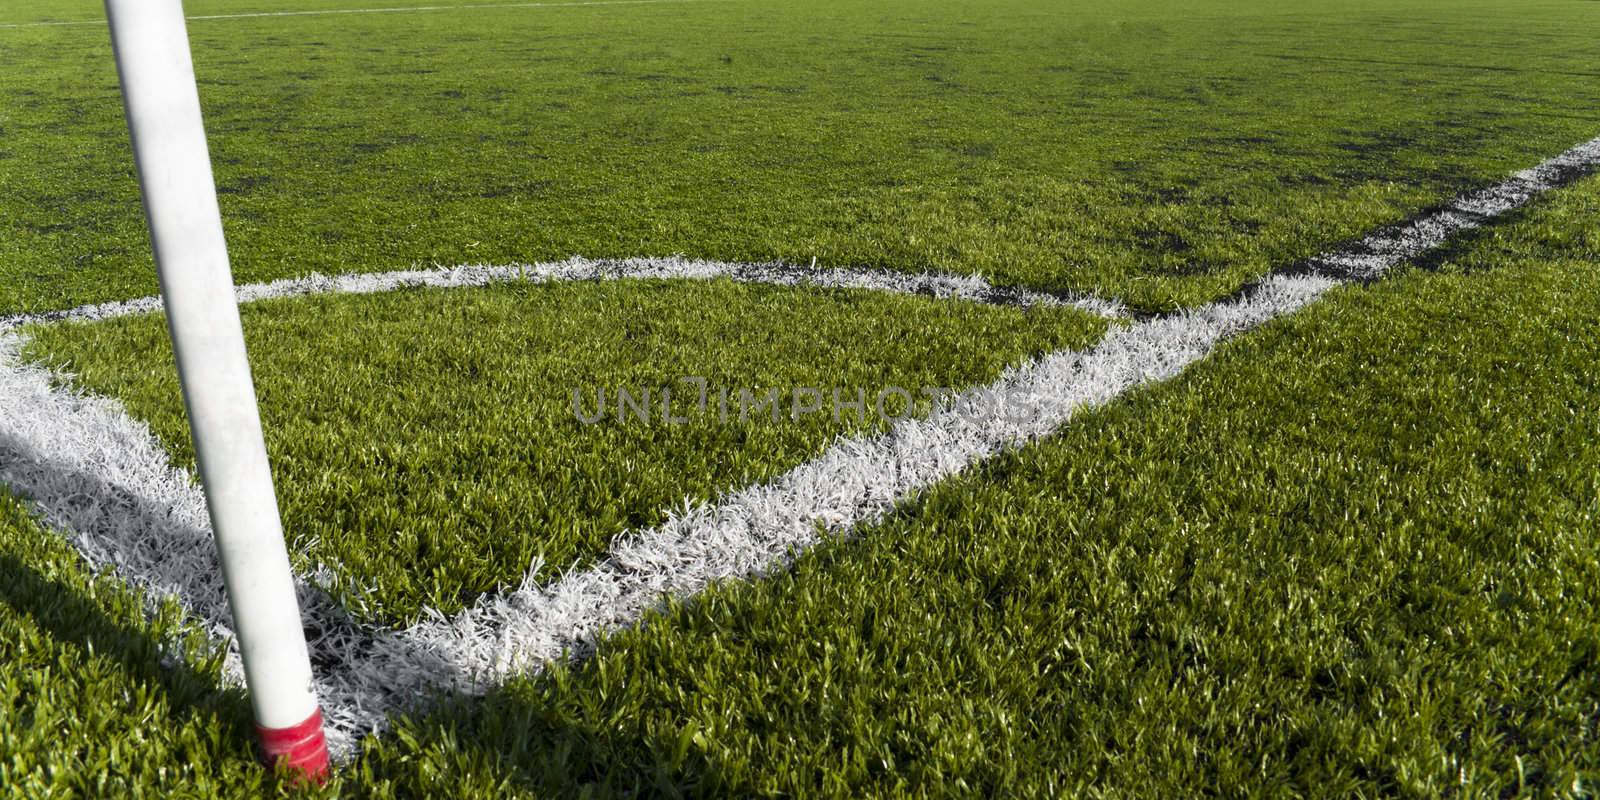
(99, 477)
(62, 449)
(1383, 249)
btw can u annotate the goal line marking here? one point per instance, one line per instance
(100, 477)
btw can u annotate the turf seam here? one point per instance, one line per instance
(100, 477)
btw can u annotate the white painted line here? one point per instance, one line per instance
(102, 479)
(856, 482)
(393, 10)
(934, 285)
(1391, 246)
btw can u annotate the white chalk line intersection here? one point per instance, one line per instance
(59, 447)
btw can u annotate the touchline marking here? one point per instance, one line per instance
(100, 477)
(927, 284)
(395, 10)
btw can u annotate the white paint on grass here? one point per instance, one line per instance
(319, 12)
(926, 284)
(855, 482)
(1389, 247)
(100, 476)
(102, 479)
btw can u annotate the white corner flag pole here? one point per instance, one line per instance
(180, 200)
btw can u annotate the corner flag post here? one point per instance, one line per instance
(180, 200)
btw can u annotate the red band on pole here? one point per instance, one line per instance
(302, 748)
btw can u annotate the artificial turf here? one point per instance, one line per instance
(425, 442)
(1351, 554)
(1158, 151)
(92, 703)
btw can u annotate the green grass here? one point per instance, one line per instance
(1157, 151)
(89, 705)
(1353, 554)
(425, 445)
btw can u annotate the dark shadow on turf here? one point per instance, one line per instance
(532, 744)
(70, 617)
(337, 644)
(1449, 254)
(1428, 258)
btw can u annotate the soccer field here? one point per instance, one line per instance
(1227, 384)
